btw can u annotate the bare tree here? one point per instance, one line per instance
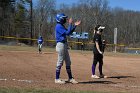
(44, 13)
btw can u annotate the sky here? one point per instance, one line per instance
(125, 4)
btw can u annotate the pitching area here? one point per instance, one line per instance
(23, 70)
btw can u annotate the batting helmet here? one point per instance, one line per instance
(61, 18)
(40, 36)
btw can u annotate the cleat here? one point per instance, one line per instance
(103, 76)
(95, 77)
(73, 81)
(59, 81)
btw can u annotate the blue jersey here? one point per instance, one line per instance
(61, 32)
(40, 40)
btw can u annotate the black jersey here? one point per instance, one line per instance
(97, 38)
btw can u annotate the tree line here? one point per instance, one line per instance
(16, 19)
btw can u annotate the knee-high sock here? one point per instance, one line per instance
(68, 68)
(100, 69)
(58, 68)
(93, 69)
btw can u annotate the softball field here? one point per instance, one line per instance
(25, 68)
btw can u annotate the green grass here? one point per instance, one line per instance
(15, 90)
(118, 54)
(24, 48)
(19, 90)
(121, 54)
(47, 49)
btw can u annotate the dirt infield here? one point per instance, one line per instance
(32, 70)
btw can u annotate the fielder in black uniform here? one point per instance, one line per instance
(98, 50)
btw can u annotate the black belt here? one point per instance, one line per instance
(62, 42)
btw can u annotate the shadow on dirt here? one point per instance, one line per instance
(49, 53)
(97, 82)
(119, 77)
